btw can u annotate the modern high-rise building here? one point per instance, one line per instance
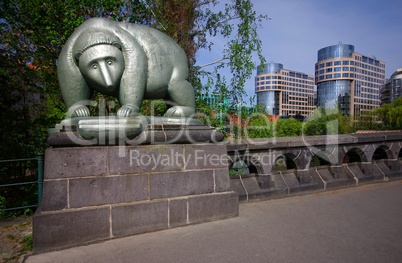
(392, 88)
(348, 79)
(284, 92)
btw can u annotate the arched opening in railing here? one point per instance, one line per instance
(354, 155)
(284, 162)
(381, 153)
(318, 160)
(400, 154)
(241, 168)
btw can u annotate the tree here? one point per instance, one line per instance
(237, 55)
(287, 127)
(391, 114)
(325, 122)
(191, 22)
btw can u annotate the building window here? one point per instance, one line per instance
(329, 70)
(345, 68)
(329, 64)
(345, 75)
(337, 69)
(337, 63)
(328, 76)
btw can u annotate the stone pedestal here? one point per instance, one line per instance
(98, 193)
(112, 130)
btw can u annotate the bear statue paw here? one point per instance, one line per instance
(127, 110)
(78, 111)
(179, 111)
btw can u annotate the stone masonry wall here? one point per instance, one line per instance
(92, 194)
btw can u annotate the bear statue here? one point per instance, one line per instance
(128, 61)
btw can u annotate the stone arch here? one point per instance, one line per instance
(285, 162)
(354, 155)
(382, 153)
(245, 164)
(318, 160)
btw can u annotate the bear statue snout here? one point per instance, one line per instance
(107, 78)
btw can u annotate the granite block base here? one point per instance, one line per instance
(93, 194)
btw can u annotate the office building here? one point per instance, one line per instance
(347, 79)
(284, 92)
(392, 88)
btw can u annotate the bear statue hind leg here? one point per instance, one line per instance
(181, 93)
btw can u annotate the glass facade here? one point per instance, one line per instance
(270, 100)
(348, 79)
(284, 92)
(392, 88)
(269, 68)
(336, 51)
(335, 92)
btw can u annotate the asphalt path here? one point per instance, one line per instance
(361, 224)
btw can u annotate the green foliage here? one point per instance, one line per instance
(237, 54)
(18, 196)
(391, 114)
(2, 206)
(27, 242)
(239, 168)
(287, 127)
(207, 115)
(327, 121)
(258, 126)
(153, 108)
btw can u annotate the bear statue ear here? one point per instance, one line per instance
(78, 55)
(117, 44)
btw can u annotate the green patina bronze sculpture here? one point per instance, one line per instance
(131, 62)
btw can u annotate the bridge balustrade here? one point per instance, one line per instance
(279, 167)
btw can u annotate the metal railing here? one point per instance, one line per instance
(40, 171)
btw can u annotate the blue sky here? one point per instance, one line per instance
(299, 28)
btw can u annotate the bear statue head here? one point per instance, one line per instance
(100, 61)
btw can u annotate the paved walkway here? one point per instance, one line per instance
(362, 224)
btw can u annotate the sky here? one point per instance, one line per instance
(297, 29)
